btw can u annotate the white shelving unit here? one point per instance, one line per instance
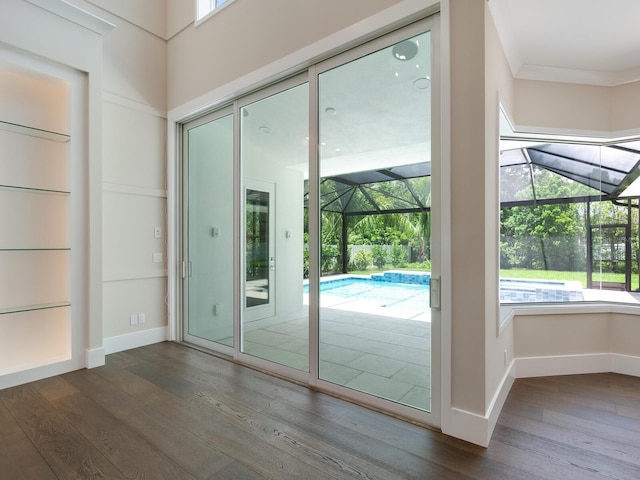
(35, 239)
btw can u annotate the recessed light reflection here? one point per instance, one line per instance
(422, 83)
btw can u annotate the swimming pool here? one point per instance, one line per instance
(384, 294)
(410, 290)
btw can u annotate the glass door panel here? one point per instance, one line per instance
(209, 241)
(274, 162)
(375, 166)
(610, 261)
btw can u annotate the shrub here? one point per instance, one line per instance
(379, 256)
(305, 263)
(362, 259)
(329, 260)
(398, 256)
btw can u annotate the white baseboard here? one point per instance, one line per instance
(38, 373)
(95, 357)
(476, 428)
(577, 364)
(134, 340)
(625, 364)
(500, 397)
(467, 426)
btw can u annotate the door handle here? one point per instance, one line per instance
(434, 293)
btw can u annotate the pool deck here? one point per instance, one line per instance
(387, 356)
(366, 346)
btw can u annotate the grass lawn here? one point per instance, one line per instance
(532, 274)
(568, 276)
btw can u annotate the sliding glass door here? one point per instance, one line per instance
(309, 212)
(374, 121)
(209, 231)
(274, 164)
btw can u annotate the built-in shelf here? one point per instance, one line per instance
(31, 308)
(34, 190)
(34, 132)
(61, 249)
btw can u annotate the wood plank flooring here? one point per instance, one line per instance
(170, 412)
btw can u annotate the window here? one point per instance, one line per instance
(205, 7)
(569, 221)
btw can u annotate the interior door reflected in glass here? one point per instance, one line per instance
(274, 324)
(258, 262)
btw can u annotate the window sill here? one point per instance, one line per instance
(508, 312)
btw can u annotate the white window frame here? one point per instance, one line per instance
(205, 9)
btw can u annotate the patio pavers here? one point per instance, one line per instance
(384, 356)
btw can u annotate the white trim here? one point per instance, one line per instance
(468, 426)
(76, 15)
(508, 313)
(133, 190)
(38, 373)
(577, 365)
(134, 340)
(476, 428)
(132, 276)
(500, 398)
(95, 357)
(121, 101)
(562, 365)
(201, 19)
(446, 413)
(575, 76)
(625, 364)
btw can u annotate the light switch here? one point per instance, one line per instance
(157, 257)
(157, 232)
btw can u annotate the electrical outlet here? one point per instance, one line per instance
(156, 257)
(505, 358)
(141, 319)
(133, 320)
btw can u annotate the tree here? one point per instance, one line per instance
(545, 237)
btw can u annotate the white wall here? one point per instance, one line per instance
(134, 174)
(249, 34)
(468, 193)
(564, 340)
(564, 108)
(498, 344)
(480, 81)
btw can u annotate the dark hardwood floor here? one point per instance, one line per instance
(170, 412)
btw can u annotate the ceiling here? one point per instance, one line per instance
(373, 114)
(592, 42)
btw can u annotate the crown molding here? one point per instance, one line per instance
(75, 14)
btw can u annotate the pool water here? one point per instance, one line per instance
(385, 294)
